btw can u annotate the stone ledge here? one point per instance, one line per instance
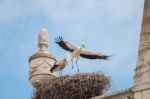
(42, 74)
(119, 93)
(40, 54)
(141, 87)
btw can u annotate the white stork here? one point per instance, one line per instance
(59, 66)
(76, 52)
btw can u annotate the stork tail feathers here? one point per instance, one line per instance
(53, 68)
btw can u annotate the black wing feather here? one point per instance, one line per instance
(94, 56)
(53, 68)
(62, 44)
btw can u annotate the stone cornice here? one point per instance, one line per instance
(118, 93)
(42, 74)
(41, 54)
(141, 87)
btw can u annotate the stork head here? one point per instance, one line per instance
(64, 59)
(83, 45)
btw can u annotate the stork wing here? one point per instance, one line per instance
(65, 45)
(93, 55)
(53, 68)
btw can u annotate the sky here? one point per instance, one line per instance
(105, 26)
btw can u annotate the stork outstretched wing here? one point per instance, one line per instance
(65, 45)
(93, 55)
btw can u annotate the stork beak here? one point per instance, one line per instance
(83, 46)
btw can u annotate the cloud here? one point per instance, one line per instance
(9, 10)
(86, 20)
(121, 10)
(74, 12)
(15, 9)
(83, 11)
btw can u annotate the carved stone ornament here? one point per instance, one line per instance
(43, 40)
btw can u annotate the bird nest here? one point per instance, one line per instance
(78, 86)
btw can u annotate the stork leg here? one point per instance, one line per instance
(72, 63)
(61, 72)
(77, 64)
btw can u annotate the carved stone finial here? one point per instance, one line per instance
(43, 40)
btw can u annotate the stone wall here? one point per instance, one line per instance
(124, 94)
(142, 71)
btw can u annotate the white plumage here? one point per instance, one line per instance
(59, 66)
(76, 52)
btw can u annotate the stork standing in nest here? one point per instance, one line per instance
(76, 52)
(59, 66)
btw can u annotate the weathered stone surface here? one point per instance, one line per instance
(43, 40)
(145, 94)
(41, 62)
(40, 66)
(143, 65)
(40, 54)
(124, 94)
(145, 43)
(142, 71)
(146, 18)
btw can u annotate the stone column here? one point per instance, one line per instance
(41, 62)
(142, 71)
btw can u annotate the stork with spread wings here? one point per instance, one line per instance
(76, 52)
